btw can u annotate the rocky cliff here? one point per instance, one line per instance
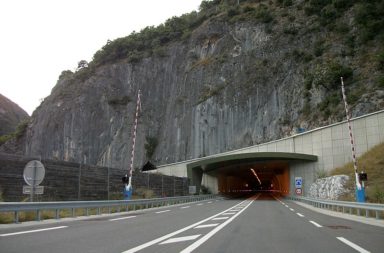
(224, 78)
(11, 115)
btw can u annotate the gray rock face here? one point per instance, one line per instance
(226, 87)
(329, 187)
(11, 115)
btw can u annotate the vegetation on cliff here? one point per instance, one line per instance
(348, 41)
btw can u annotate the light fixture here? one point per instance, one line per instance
(254, 173)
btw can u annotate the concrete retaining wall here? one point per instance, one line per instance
(331, 144)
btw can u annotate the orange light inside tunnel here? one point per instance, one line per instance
(254, 173)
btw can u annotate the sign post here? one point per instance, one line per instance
(34, 173)
(299, 185)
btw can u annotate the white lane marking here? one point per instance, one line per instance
(150, 243)
(207, 225)
(300, 214)
(32, 231)
(352, 245)
(316, 224)
(122, 218)
(292, 209)
(203, 239)
(163, 211)
(221, 218)
(210, 202)
(228, 213)
(200, 204)
(180, 239)
(183, 207)
(286, 206)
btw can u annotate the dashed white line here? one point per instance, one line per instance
(352, 245)
(210, 202)
(300, 214)
(163, 211)
(200, 204)
(316, 224)
(158, 240)
(207, 225)
(183, 207)
(221, 218)
(203, 239)
(32, 231)
(180, 239)
(122, 218)
(292, 209)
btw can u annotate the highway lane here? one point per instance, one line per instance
(263, 225)
(105, 234)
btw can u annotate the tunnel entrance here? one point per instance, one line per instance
(247, 172)
(261, 176)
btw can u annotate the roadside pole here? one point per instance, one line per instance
(128, 185)
(360, 193)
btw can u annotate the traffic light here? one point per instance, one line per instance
(125, 179)
(363, 176)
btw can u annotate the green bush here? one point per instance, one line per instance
(380, 60)
(378, 194)
(380, 81)
(328, 75)
(263, 13)
(119, 101)
(369, 18)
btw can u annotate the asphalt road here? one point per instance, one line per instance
(257, 224)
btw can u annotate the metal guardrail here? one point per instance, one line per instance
(119, 205)
(370, 209)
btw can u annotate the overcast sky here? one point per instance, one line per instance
(41, 38)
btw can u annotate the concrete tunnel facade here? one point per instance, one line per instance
(246, 172)
(300, 155)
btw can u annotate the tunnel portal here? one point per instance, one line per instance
(246, 172)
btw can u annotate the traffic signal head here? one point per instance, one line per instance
(363, 176)
(125, 179)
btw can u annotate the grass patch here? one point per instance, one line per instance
(372, 162)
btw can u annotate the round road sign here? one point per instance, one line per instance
(34, 173)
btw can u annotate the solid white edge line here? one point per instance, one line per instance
(122, 218)
(150, 243)
(316, 224)
(163, 211)
(180, 239)
(32, 231)
(300, 214)
(352, 245)
(203, 239)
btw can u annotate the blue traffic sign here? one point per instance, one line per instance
(298, 182)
